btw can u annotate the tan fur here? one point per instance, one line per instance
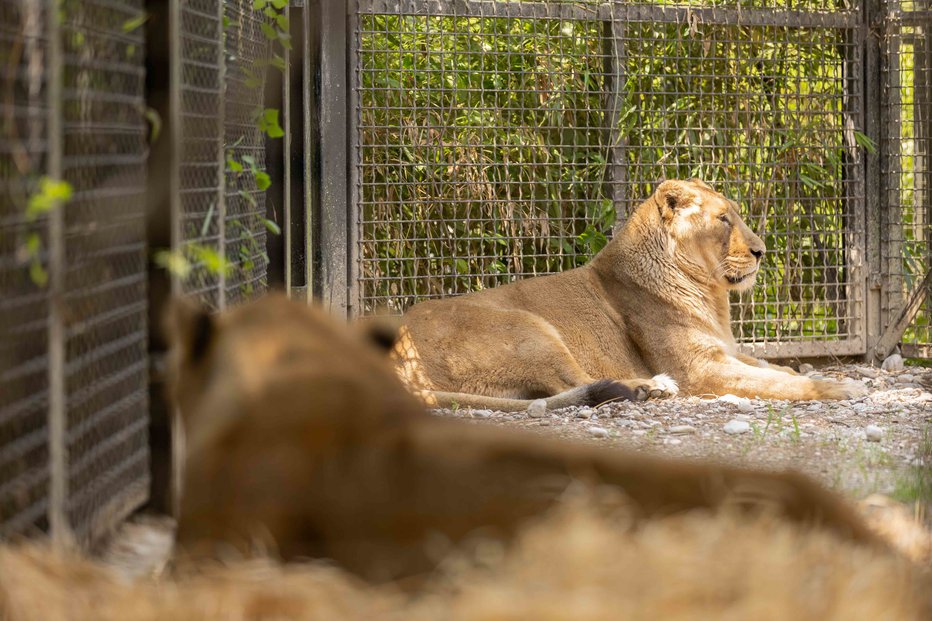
(654, 300)
(303, 439)
(574, 564)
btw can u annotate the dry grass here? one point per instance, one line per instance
(574, 564)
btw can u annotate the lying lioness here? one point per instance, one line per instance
(301, 437)
(653, 301)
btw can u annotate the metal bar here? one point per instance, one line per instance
(897, 17)
(354, 160)
(803, 349)
(615, 167)
(175, 135)
(221, 170)
(58, 425)
(895, 330)
(333, 140)
(853, 188)
(623, 12)
(872, 165)
(286, 158)
(309, 60)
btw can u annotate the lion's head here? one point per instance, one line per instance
(711, 243)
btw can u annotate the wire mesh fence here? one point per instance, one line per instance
(907, 168)
(104, 262)
(504, 139)
(24, 398)
(248, 53)
(201, 165)
(73, 443)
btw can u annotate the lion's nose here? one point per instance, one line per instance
(758, 253)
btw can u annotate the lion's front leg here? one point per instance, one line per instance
(757, 362)
(730, 375)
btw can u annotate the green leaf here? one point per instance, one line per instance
(233, 165)
(134, 22)
(282, 22)
(250, 160)
(278, 62)
(268, 123)
(268, 31)
(37, 274)
(865, 142)
(279, 4)
(272, 227)
(155, 123)
(258, 5)
(213, 261)
(226, 22)
(51, 195)
(263, 181)
(173, 262)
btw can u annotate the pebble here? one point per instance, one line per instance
(544, 422)
(537, 408)
(638, 432)
(672, 441)
(873, 433)
(598, 432)
(743, 417)
(682, 429)
(743, 404)
(585, 413)
(868, 372)
(893, 362)
(737, 426)
(906, 378)
(806, 368)
(482, 413)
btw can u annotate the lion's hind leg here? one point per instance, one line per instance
(658, 387)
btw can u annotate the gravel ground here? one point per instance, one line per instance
(880, 443)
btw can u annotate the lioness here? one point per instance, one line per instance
(653, 301)
(301, 436)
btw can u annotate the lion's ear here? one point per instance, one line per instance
(672, 195)
(380, 330)
(702, 184)
(189, 329)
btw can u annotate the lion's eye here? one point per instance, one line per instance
(724, 219)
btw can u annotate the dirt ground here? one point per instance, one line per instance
(880, 443)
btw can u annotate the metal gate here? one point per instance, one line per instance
(492, 140)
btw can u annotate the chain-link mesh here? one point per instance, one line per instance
(201, 145)
(24, 469)
(499, 140)
(104, 270)
(907, 166)
(248, 52)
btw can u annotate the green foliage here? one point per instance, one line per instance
(487, 146)
(51, 194)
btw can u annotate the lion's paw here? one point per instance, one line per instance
(846, 389)
(658, 387)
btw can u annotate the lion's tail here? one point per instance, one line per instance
(596, 393)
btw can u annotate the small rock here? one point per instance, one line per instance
(672, 441)
(806, 368)
(906, 378)
(743, 417)
(893, 362)
(638, 432)
(868, 372)
(482, 413)
(815, 407)
(873, 433)
(537, 408)
(584, 413)
(743, 404)
(598, 432)
(544, 422)
(682, 429)
(737, 426)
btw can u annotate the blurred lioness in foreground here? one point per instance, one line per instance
(302, 441)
